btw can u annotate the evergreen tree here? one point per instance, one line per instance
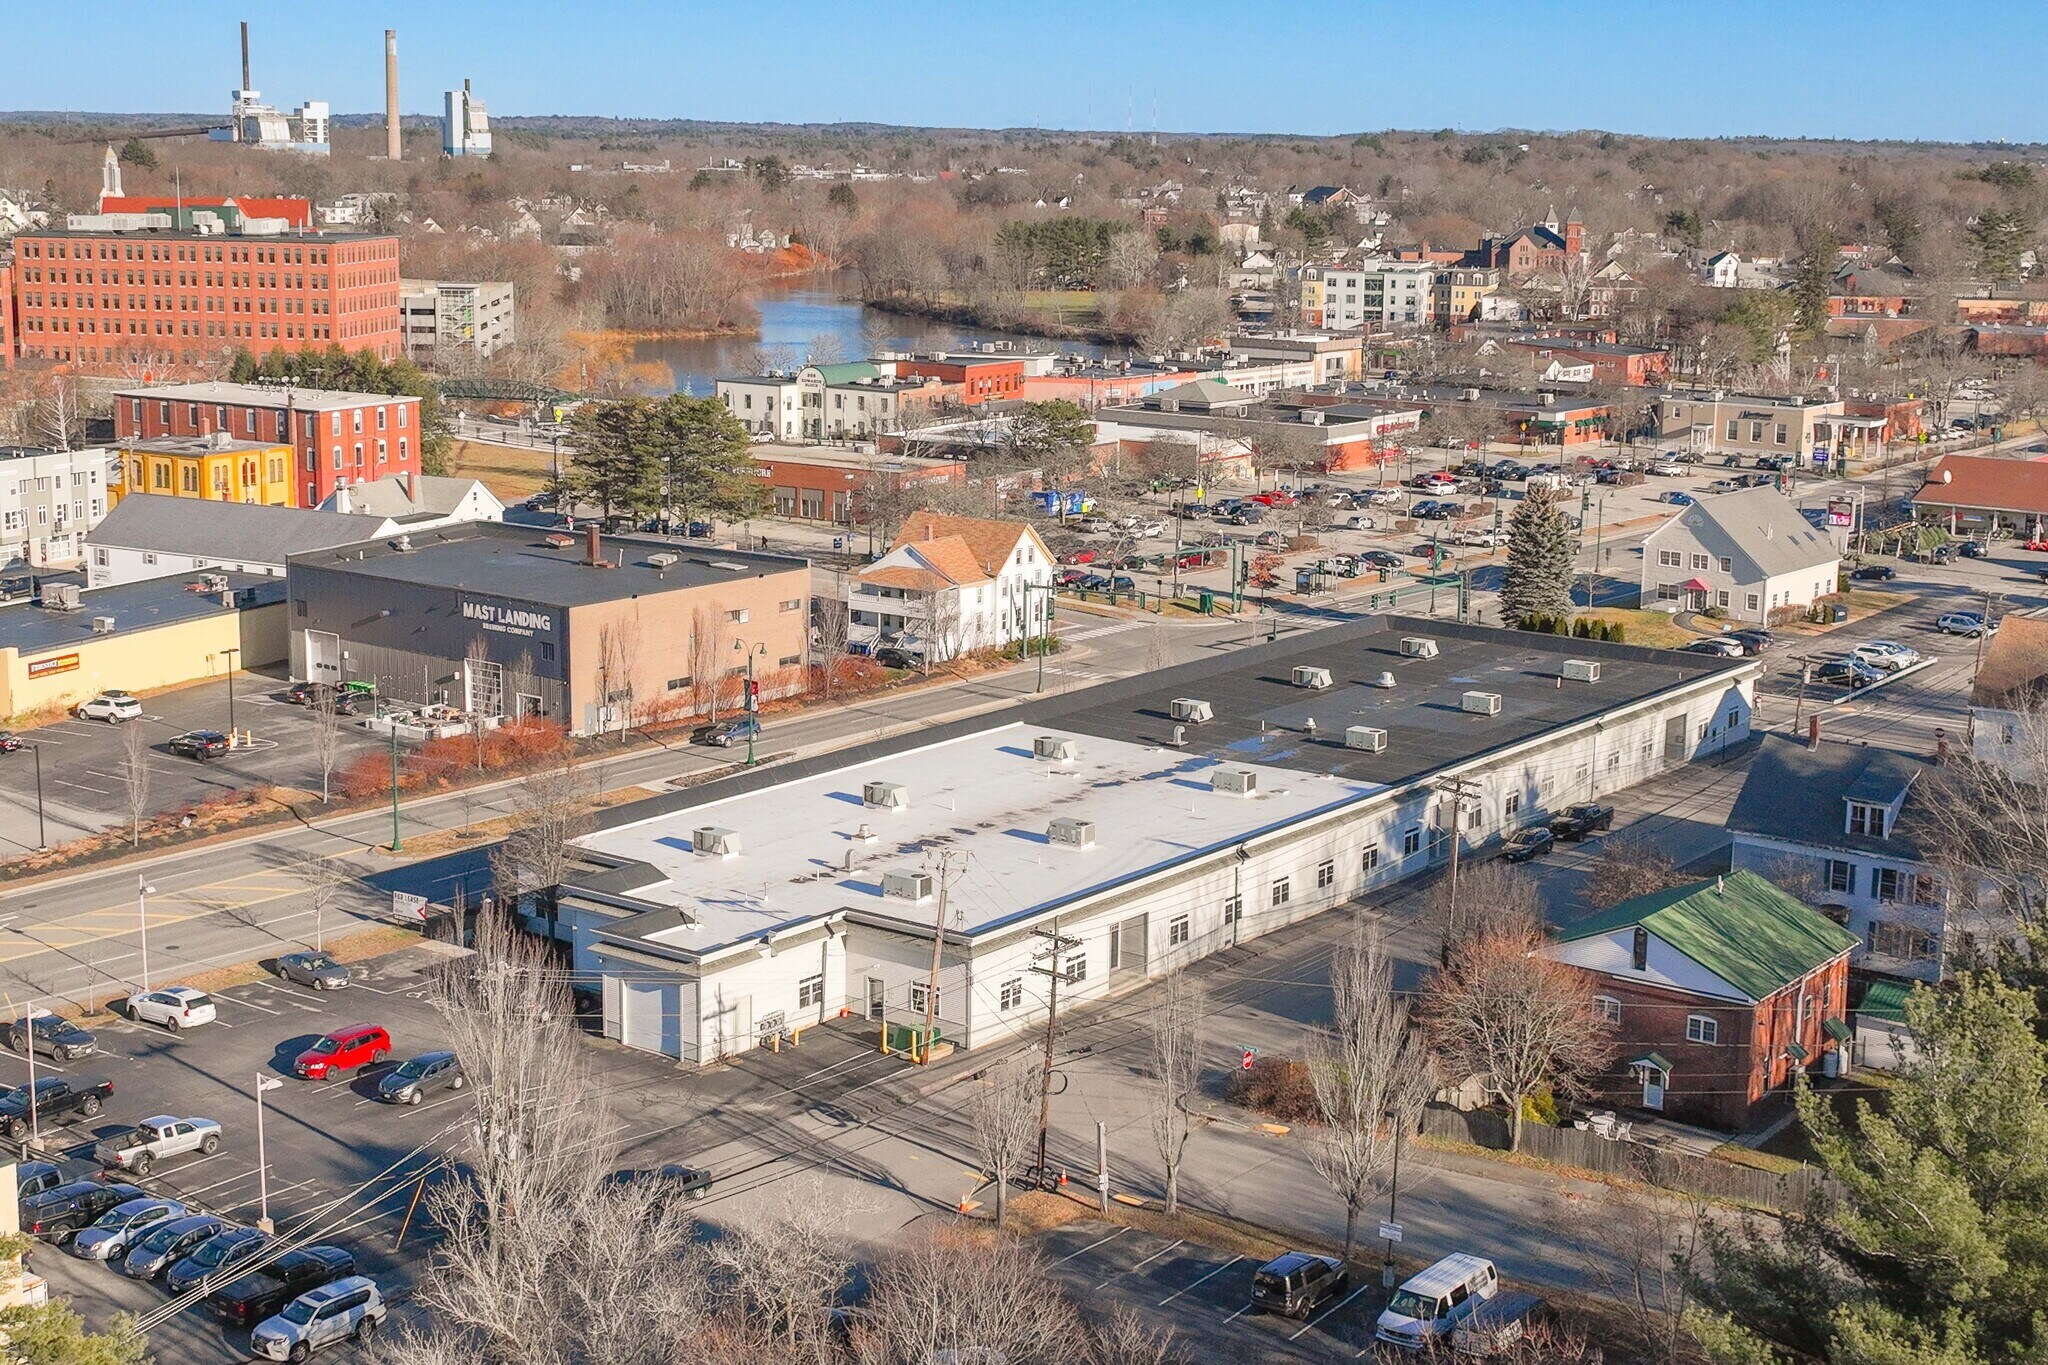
(706, 466)
(616, 464)
(135, 152)
(1934, 1250)
(243, 367)
(1542, 547)
(1053, 437)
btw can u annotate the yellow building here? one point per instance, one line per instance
(1312, 297)
(1459, 289)
(218, 468)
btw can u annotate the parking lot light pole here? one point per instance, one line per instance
(231, 653)
(395, 844)
(143, 891)
(263, 1083)
(42, 827)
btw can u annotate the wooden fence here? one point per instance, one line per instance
(1671, 1170)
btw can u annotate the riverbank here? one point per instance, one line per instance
(1026, 319)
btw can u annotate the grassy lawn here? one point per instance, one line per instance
(1655, 629)
(514, 475)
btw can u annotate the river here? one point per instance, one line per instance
(797, 313)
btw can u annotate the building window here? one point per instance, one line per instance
(810, 992)
(1901, 941)
(1369, 861)
(1701, 1029)
(1177, 931)
(1750, 601)
(1727, 564)
(1841, 875)
(1411, 842)
(1326, 875)
(1866, 819)
(1077, 969)
(1233, 909)
(920, 992)
(678, 684)
(1639, 949)
(1608, 1008)
(1012, 994)
(737, 615)
(1510, 806)
(1669, 559)
(1282, 891)
(1699, 561)
(793, 604)
(1887, 885)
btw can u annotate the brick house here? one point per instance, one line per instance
(1720, 993)
(6, 314)
(1536, 249)
(990, 380)
(1613, 362)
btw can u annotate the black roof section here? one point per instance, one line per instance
(1796, 794)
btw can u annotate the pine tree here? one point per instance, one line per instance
(1542, 548)
(706, 466)
(616, 461)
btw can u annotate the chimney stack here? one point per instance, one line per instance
(245, 54)
(412, 487)
(392, 150)
(593, 555)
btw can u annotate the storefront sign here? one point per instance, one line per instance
(508, 619)
(56, 663)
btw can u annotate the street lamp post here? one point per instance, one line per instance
(143, 891)
(395, 843)
(748, 706)
(263, 1083)
(231, 652)
(42, 827)
(1388, 1275)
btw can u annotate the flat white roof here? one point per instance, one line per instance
(985, 797)
(262, 395)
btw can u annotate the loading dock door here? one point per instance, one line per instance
(647, 1017)
(1130, 947)
(323, 656)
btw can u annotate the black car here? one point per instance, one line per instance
(52, 1036)
(307, 693)
(412, 1081)
(199, 744)
(59, 1212)
(1380, 559)
(56, 1098)
(249, 1299)
(1295, 1282)
(668, 1182)
(891, 657)
(215, 1257)
(1576, 822)
(1531, 841)
(1874, 573)
(725, 733)
(1849, 673)
(1974, 549)
(1754, 640)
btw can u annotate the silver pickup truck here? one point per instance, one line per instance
(153, 1139)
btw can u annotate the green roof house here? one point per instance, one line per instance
(1720, 993)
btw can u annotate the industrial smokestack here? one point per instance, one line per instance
(245, 54)
(391, 145)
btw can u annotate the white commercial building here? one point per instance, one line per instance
(465, 124)
(1377, 291)
(1111, 835)
(454, 317)
(49, 500)
(1749, 553)
(952, 585)
(151, 535)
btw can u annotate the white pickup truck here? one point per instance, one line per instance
(153, 1139)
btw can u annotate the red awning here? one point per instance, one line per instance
(1695, 585)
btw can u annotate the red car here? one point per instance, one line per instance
(2037, 545)
(1078, 557)
(345, 1049)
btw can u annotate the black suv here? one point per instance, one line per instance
(248, 1300)
(1576, 822)
(53, 1037)
(57, 1213)
(1294, 1282)
(199, 744)
(1530, 841)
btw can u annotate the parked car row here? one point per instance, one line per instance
(1455, 1305)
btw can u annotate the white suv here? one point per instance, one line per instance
(111, 707)
(350, 1307)
(1887, 656)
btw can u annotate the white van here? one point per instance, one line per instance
(1436, 1300)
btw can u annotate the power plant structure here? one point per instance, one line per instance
(465, 126)
(393, 149)
(256, 124)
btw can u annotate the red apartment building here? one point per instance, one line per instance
(981, 381)
(168, 297)
(1613, 362)
(337, 439)
(844, 486)
(6, 314)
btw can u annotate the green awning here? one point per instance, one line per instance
(1656, 1061)
(1837, 1030)
(1796, 1052)
(1885, 1000)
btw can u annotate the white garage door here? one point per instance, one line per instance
(647, 1017)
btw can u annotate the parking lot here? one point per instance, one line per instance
(1205, 1295)
(84, 788)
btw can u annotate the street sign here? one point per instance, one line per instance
(1389, 1232)
(1250, 1056)
(405, 903)
(1820, 455)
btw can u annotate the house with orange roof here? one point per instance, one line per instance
(951, 585)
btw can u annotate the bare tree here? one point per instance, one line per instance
(476, 666)
(1518, 1020)
(1987, 821)
(550, 809)
(326, 737)
(617, 651)
(922, 1305)
(1175, 1026)
(58, 412)
(1627, 867)
(135, 779)
(787, 1272)
(1004, 1114)
(324, 880)
(710, 644)
(831, 628)
(1633, 1248)
(1370, 1072)
(944, 626)
(1485, 896)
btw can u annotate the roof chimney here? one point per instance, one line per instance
(342, 500)
(593, 554)
(412, 487)
(245, 56)
(393, 148)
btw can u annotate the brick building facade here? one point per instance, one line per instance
(981, 381)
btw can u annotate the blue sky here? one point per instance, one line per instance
(1709, 67)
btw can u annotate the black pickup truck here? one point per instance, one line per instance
(57, 1098)
(1576, 822)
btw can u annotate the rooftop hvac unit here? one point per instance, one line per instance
(1582, 670)
(1190, 710)
(907, 884)
(715, 841)
(1385, 679)
(1317, 678)
(1481, 703)
(1056, 748)
(1417, 647)
(60, 596)
(103, 625)
(663, 561)
(1367, 738)
(888, 795)
(1234, 781)
(1072, 832)
(213, 582)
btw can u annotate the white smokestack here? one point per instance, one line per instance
(391, 144)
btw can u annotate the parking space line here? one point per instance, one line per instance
(1362, 1287)
(1211, 1275)
(1142, 1264)
(1238, 1314)
(1091, 1246)
(194, 1194)
(237, 1000)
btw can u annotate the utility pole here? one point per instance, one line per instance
(1056, 948)
(931, 985)
(1455, 789)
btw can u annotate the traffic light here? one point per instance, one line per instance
(752, 695)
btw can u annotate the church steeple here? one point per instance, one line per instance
(110, 177)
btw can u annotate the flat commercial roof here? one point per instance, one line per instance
(976, 787)
(29, 628)
(504, 560)
(263, 395)
(983, 796)
(848, 459)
